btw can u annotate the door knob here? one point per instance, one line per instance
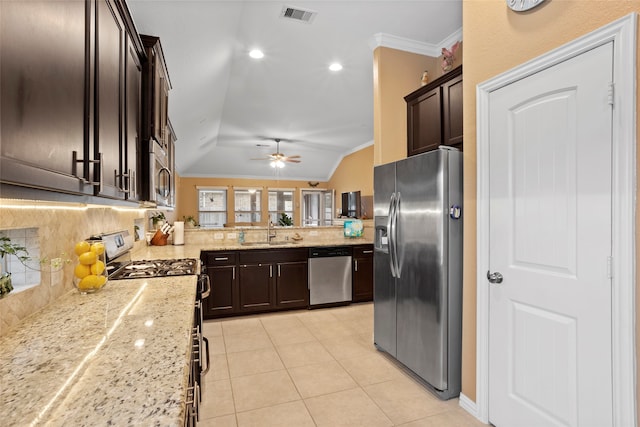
(494, 277)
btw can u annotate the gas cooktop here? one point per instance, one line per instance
(153, 268)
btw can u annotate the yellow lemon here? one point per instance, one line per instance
(101, 281)
(82, 271)
(98, 248)
(97, 268)
(89, 282)
(82, 247)
(88, 258)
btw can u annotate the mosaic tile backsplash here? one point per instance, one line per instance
(52, 231)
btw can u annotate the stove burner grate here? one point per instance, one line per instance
(155, 268)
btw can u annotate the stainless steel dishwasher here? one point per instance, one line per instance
(329, 275)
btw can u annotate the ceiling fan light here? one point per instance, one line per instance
(277, 164)
(256, 54)
(335, 66)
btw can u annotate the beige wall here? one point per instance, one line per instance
(59, 226)
(496, 40)
(187, 200)
(355, 173)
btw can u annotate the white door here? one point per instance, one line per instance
(550, 239)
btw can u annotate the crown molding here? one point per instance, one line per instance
(413, 46)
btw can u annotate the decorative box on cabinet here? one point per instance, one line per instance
(434, 114)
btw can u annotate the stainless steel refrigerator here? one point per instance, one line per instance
(418, 266)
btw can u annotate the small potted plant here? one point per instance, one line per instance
(285, 220)
(158, 219)
(8, 248)
(190, 221)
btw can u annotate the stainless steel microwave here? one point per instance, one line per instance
(159, 175)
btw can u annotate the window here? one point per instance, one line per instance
(280, 202)
(317, 207)
(247, 205)
(212, 207)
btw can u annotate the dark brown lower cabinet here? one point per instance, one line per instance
(222, 270)
(256, 285)
(256, 280)
(292, 290)
(362, 275)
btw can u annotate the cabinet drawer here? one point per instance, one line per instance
(261, 256)
(363, 251)
(220, 258)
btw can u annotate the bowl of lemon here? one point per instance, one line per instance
(90, 273)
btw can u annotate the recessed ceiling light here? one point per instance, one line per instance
(256, 54)
(335, 67)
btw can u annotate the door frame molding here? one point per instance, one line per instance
(623, 34)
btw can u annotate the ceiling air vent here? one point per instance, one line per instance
(298, 14)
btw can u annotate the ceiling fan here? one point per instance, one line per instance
(277, 159)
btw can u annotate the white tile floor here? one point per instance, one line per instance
(313, 368)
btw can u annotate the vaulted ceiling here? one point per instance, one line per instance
(228, 108)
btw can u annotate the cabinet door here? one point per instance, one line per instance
(362, 274)
(110, 35)
(133, 108)
(292, 290)
(452, 112)
(160, 101)
(44, 104)
(424, 120)
(256, 287)
(222, 301)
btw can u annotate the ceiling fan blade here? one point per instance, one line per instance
(292, 161)
(293, 157)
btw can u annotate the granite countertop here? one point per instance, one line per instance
(117, 357)
(192, 250)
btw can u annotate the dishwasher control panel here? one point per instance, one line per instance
(329, 251)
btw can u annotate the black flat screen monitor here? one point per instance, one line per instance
(351, 204)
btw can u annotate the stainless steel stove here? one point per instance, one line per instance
(120, 266)
(154, 268)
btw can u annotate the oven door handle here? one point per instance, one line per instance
(207, 290)
(206, 346)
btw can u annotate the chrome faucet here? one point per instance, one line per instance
(269, 235)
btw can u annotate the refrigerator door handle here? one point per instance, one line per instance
(392, 203)
(396, 212)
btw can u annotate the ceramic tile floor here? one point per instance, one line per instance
(313, 368)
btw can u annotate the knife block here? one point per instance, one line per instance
(159, 239)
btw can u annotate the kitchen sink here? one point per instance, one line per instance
(278, 243)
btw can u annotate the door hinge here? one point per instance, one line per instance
(610, 93)
(609, 267)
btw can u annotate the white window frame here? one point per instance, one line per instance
(277, 212)
(201, 211)
(255, 214)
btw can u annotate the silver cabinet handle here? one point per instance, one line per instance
(278, 270)
(494, 277)
(356, 264)
(234, 273)
(270, 270)
(222, 258)
(367, 252)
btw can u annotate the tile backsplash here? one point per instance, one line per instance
(56, 227)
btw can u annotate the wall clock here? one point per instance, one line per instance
(522, 5)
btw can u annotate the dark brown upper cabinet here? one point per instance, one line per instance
(69, 97)
(45, 101)
(156, 132)
(434, 114)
